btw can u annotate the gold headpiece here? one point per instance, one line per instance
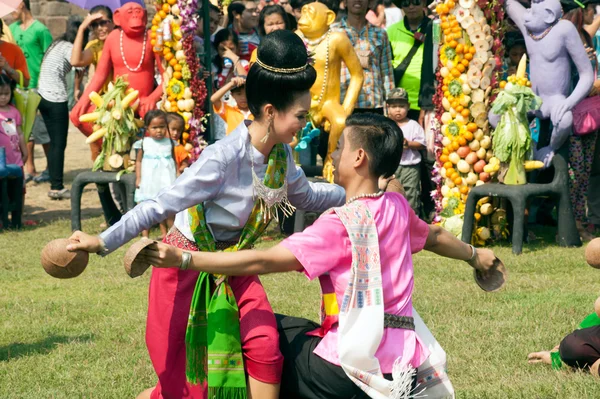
(280, 70)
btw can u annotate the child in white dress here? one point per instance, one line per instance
(155, 166)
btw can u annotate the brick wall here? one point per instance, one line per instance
(54, 13)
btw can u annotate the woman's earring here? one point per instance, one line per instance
(269, 128)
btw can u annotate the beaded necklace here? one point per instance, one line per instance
(123, 53)
(311, 47)
(544, 33)
(371, 195)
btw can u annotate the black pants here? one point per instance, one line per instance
(581, 348)
(306, 375)
(56, 118)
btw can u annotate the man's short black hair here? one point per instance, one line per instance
(27, 5)
(298, 4)
(380, 137)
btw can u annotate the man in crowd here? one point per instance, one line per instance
(412, 47)
(374, 52)
(243, 20)
(34, 39)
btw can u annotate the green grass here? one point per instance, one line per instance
(84, 338)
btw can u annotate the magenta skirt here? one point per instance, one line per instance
(168, 310)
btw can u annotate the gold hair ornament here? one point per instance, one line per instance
(280, 70)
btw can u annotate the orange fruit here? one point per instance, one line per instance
(455, 145)
(154, 28)
(173, 105)
(445, 151)
(454, 104)
(443, 9)
(443, 158)
(169, 57)
(171, 98)
(468, 56)
(177, 75)
(468, 136)
(462, 141)
(152, 35)
(456, 29)
(173, 62)
(465, 113)
(503, 84)
(185, 136)
(166, 7)
(444, 88)
(450, 171)
(464, 190)
(447, 165)
(472, 127)
(465, 61)
(477, 216)
(452, 17)
(454, 176)
(459, 108)
(162, 14)
(460, 68)
(153, 42)
(172, 2)
(177, 68)
(454, 24)
(455, 72)
(447, 31)
(472, 50)
(458, 181)
(450, 4)
(453, 44)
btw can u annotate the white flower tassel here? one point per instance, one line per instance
(401, 386)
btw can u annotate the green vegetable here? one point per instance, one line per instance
(511, 140)
(454, 225)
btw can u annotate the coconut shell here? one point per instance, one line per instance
(133, 266)
(493, 279)
(592, 253)
(60, 263)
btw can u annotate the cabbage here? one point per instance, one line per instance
(454, 225)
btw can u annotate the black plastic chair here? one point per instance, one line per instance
(101, 179)
(568, 236)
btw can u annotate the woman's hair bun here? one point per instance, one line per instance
(282, 49)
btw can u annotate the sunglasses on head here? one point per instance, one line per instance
(407, 3)
(99, 24)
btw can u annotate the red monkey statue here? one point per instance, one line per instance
(127, 52)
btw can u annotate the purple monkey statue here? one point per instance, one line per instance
(552, 43)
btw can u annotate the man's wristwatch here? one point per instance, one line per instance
(186, 258)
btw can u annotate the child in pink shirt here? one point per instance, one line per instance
(362, 254)
(11, 136)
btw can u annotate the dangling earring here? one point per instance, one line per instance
(269, 128)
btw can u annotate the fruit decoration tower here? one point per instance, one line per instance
(470, 35)
(172, 35)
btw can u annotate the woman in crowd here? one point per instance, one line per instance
(100, 23)
(581, 148)
(56, 65)
(12, 60)
(271, 18)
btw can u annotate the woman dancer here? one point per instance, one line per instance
(224, 201)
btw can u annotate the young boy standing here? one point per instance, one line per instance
(409, 171)
(232, 116)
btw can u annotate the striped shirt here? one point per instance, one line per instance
(379, 77)
(56, 65)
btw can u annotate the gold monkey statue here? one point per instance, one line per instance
(329, 49)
